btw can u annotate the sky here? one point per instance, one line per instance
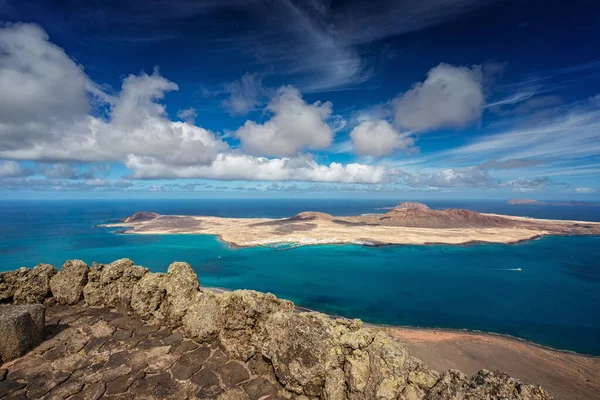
(405, 99)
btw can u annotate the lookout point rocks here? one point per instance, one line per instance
(238, 345)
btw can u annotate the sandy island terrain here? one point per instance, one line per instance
(567, 376)
(408, 223)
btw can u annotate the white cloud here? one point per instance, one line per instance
(59, 171)
(45, 184)
(528, 184)
(237, 166)
(572, 135)
(69, 171)
(12, 169)
(39, 81)
(44, 110)
(450, 97)
(294, 127)
(451, 177)
(188, 115)
(245, 94)
(378, 138)
(585, 190)
(510, 164)
(527, 106)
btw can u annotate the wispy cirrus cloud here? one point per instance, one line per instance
(316, 44)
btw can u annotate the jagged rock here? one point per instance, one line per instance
(112, 284)
(202, 320)
(21, 329)
(166, 296)
(244, 314)
(148, 296)
(483, 385)
(385, 369)
(310, 354)
(314, 355)
(181, 286)
(26, 286)
(7, 283)
(303, 349)
(67, 285)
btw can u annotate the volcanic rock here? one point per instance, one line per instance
(26, 286)
(21, 328)
(141, 217)
(67, 285)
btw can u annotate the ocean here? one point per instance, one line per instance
(553, 300)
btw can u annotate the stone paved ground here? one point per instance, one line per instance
(92, 353)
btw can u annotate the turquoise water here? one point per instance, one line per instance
(554, 300)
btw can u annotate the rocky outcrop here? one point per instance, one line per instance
(309, 354)
(21, 328)
(67, 285)
(112, 284)
(483, 385)
(26, 286)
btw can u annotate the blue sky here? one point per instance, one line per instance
(313, 98)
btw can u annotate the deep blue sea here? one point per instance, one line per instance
(554, 300)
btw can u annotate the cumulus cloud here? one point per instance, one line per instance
(245, 94)
(451, 177)
(45, 112)
(44, 184)
(450, 97)
(59, 171)
(585, 190)
(528, 184)
(237, 166)
(378, 138)
(188, 115)
(12, 169)
(295, 126)
(69, 171)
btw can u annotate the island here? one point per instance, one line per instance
(529, 202)
(407, 223)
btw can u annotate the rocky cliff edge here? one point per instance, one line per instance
(312, 354)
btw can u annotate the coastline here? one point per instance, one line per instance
(488, 238)
(568, 375)
(454, 331)
(234, 245)
(405, 225)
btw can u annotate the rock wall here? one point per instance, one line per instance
(312, 354)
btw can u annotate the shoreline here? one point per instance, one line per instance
(568, 375)
(403, 225)
(565, 374)
(235, 246)
(305, 241)
(456, 331)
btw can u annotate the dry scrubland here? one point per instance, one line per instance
(408, 223)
